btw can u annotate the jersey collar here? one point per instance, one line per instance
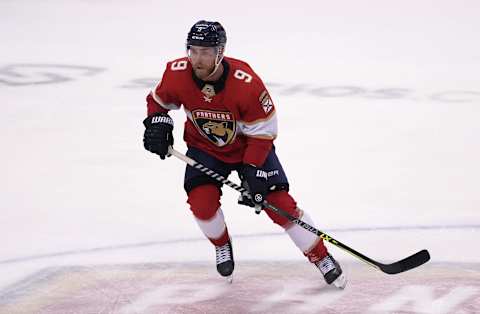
(218, 85)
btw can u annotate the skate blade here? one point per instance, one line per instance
(229, 279)
(340, 282)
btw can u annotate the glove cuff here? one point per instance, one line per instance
(159, 118)
(254, 171)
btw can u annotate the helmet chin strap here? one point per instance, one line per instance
(218, 61)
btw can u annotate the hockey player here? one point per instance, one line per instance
(231, 125)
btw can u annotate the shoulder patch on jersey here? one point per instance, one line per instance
(266, 101)
(217, 126)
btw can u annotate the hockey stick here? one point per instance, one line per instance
(405, 264)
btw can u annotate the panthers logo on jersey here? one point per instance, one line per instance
(217, 126)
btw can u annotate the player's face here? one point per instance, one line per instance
(203, 60)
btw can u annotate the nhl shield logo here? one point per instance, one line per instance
(219, 127)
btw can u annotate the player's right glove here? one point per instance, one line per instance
(256, 180)
(158, 134)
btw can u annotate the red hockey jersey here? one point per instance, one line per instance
(238, 124)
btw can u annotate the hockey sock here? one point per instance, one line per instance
(214, 228)
(204, 203)
(309, 243)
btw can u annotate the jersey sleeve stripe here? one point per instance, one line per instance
(270, 116)
(263, 137)
(264, 128)
(161, 103)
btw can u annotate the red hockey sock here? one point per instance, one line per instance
(204, 203)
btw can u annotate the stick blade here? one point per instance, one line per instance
(405, 264)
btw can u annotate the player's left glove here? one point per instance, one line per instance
(256, 180)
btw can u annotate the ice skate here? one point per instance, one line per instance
(225, 263)
(332, 272)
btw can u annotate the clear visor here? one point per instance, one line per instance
(199, 51)
(214, 54)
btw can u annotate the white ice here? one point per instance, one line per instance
(75, 176)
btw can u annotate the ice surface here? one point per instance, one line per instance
(378, 108)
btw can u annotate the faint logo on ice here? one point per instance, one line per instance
(21, 74)
(347, 91)
(27, 74)
(259, 287)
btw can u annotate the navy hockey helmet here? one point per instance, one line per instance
(207, 34)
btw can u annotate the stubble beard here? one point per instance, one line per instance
(203, 73)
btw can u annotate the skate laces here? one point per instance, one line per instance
(223, 253)
(326, 264)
